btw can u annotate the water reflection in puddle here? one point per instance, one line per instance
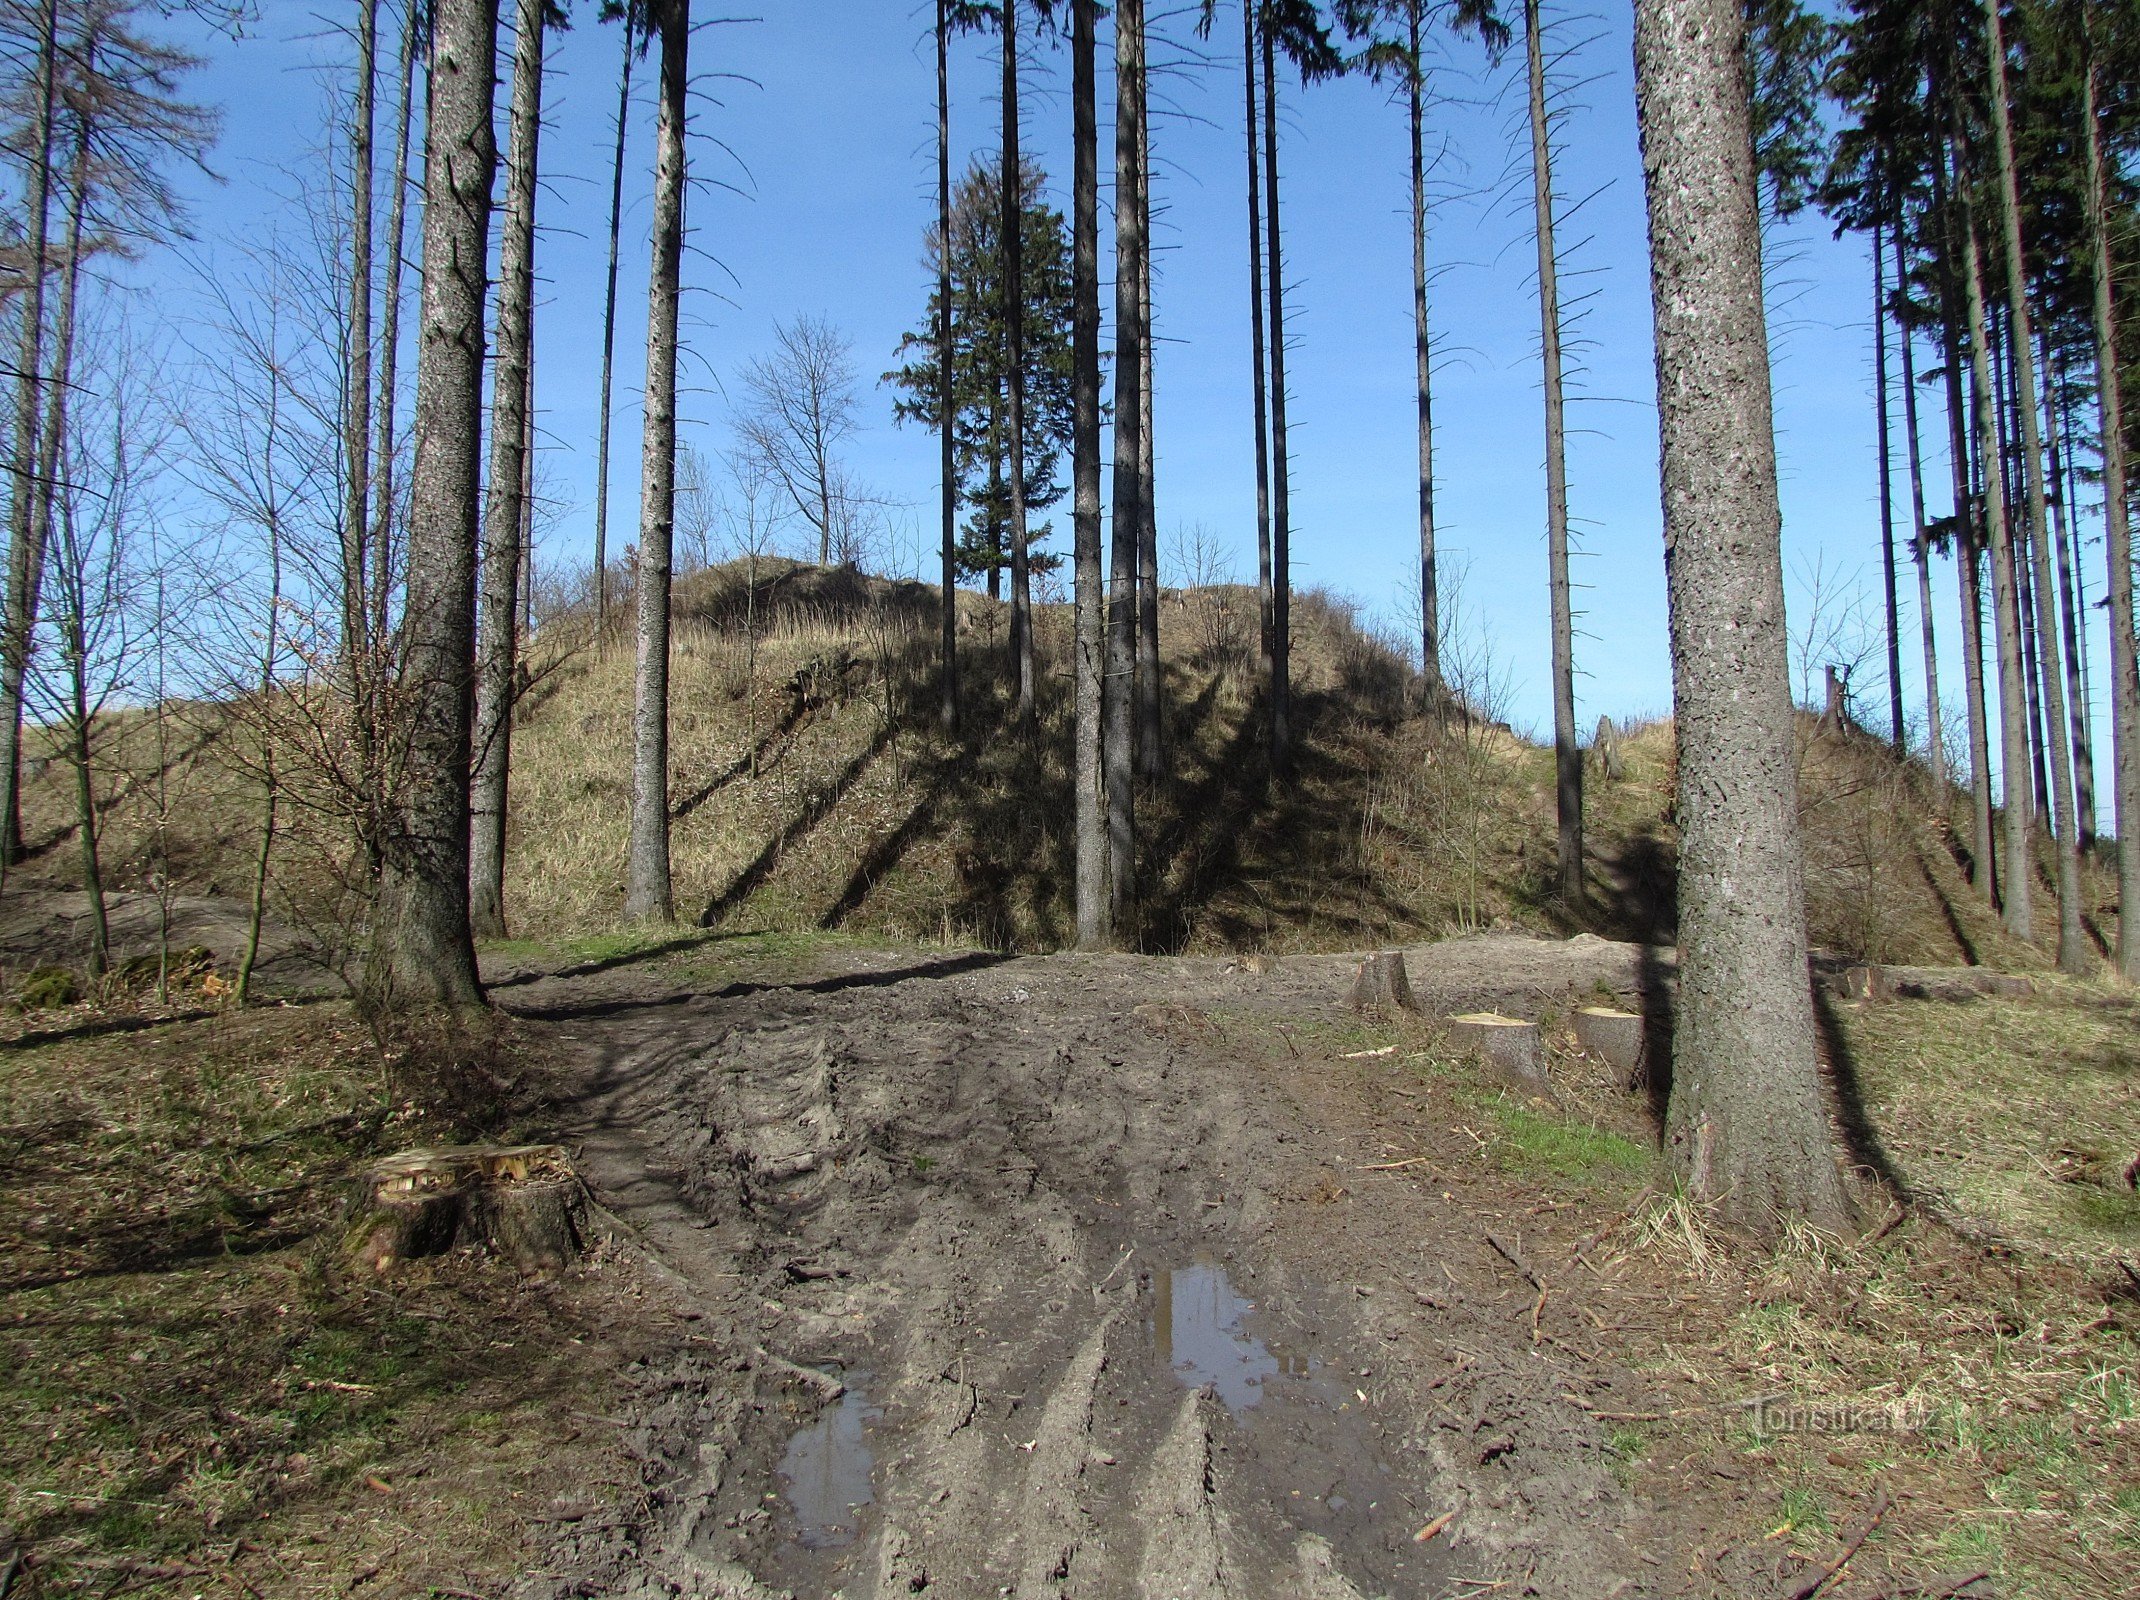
(825, 1473)
(1198, 1322)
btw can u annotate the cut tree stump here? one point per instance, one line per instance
(1380, 984)
(1508, 1042)
(1614, 1037)
(522, 1202)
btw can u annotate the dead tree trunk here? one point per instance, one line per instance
(1567, 757)
(609, 347)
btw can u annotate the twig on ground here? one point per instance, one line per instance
(1813, 1586)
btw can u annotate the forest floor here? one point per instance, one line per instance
(940, 1271)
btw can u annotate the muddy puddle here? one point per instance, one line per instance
(825, 1471)
(1308, 1438)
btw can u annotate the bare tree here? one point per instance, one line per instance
(648, 892)
(422, 949)
(1746, 1127)
(800, 408)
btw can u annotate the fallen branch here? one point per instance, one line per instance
(1819, 1580)
(1397, 1166)
(1515, 1259)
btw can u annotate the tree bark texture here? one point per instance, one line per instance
(647, 892)
(1745, 1127)
(505, 511)
(1095, 919)
(422, 951)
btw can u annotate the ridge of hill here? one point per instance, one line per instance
(811, 789)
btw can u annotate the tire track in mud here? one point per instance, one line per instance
(965, 1201)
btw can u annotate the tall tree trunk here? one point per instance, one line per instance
(1746, 1127)
(1430, 645)
(2072, 645)
(1887, 491)
(2006, 614)
(505, 512)
(1920, 548)
(1281, 699)
(383, 463)
(25, 559)
(2117, 540)
(647, 888)
(422, 951)
(1969, 545)
(1014, 351)
(609, 348)
(1118, 713)
(1150, 760)
(1095, 909)
(2074, 956)
(1260, 384)
(1567, 757)
(357, 397)
(946, 388)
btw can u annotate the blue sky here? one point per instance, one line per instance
(815, 127)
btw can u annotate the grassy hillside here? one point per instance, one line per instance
(812, 789)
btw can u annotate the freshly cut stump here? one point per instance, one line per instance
(1613, 1036)
(523, 1202)
(1380, 984)
(1508, 1042)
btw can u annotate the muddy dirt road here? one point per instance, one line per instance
(1029, 1277)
